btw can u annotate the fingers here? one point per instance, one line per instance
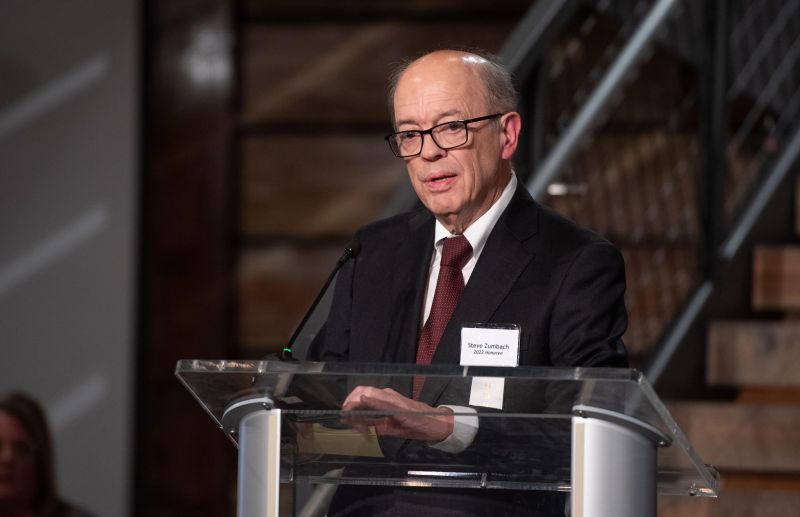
(354, 399)
(398, 415)
(370, 398)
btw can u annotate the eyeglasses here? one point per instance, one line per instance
(446, 135)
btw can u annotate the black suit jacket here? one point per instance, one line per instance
(563, 285)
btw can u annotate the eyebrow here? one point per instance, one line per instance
(450, 113)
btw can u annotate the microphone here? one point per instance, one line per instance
(350, 252)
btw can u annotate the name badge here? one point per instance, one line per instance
(489, 345)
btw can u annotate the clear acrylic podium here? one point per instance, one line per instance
(601, 434)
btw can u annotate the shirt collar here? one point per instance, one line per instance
(478, 232)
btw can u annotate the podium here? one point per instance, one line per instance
(599, 434)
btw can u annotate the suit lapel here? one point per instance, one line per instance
(506, 254)
(408, 287)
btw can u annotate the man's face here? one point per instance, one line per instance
(460, 184)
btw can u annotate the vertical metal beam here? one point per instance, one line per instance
(533, 108)
(713, 85)
(541, 81)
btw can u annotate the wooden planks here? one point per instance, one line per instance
(742, 437)
(640, 187)
(275, 286)
(337, 72)
(776, 278)
(658, 280)
(753, 353)
(316, 186)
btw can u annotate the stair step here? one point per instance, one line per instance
(769, 395)
(760, 503)
(753, 353)
(742, 437)
(776, 278)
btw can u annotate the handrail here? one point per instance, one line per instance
(733, 243)
(532, 35)
(744, 225)
(600, 97)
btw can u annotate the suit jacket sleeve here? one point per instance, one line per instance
(589, 315)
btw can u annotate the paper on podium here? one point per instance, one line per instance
(341, 442)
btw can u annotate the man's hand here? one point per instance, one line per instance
(409, 419)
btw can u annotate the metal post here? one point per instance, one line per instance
(713, 87)
(613, 464)
(259, 433)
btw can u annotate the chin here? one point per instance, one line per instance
(442, 208)
(445, 215)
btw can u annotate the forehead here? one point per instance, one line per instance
(436, 88)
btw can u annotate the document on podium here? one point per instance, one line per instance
(316, 438)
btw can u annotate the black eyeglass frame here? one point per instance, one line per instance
(429, 131)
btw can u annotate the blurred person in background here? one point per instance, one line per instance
(27, 473)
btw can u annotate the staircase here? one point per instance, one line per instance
(670, 173)
(752, 438)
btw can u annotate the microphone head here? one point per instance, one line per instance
(353, 248)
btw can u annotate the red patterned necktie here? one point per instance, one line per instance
(449, 286)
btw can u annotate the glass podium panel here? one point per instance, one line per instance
(522, 418)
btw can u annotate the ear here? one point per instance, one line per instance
(511, 124)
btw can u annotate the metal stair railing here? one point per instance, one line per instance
(601, 97)
(685, 190)
(675, 179)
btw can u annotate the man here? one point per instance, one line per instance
(563, 286)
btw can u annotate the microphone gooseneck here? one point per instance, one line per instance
(350, 252)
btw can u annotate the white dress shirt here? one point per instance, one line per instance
(465, 424)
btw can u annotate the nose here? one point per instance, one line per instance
(430, 150)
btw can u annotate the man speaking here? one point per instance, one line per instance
(482, 251)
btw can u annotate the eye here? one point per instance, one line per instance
(452, 127)
(407, 136)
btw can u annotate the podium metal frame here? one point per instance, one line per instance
(613, 459)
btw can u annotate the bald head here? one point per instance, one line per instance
(454, 97)
(493, 80)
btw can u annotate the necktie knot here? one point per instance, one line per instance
(456, 251)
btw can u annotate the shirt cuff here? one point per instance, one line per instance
(465, 426)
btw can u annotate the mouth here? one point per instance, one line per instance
(440, 180)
